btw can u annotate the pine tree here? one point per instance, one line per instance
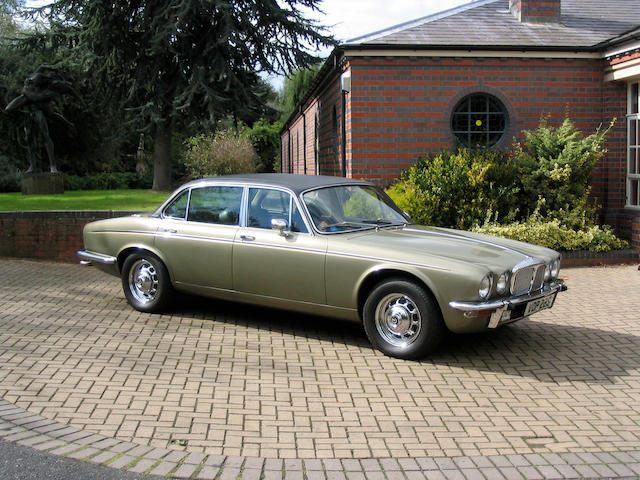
(177, 60)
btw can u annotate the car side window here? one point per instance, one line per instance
(178, 208)
(267, 204)
(215, 204)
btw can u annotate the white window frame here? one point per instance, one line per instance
(632, 156)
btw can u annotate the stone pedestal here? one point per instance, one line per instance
(42, 183)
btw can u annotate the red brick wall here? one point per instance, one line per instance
(401, 108)
(52, 236)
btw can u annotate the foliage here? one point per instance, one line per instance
(108, 181)
(133, 200)
(223, 153)
(9, 176)
(556, 165)
(538, 192)
(554, 234)
(266, 141)
(457, 189)
(295, 87)
(179, 60)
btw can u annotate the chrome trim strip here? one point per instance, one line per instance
(509, 303)
(90, 257)
(390, 260)
(281, 247)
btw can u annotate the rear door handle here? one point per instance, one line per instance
(247, 238)
(170, 230)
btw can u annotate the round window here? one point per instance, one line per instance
(479, 119)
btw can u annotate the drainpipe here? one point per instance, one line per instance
(345, 81)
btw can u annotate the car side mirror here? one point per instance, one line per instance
(281, 226)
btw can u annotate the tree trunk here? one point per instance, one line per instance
(162, 156)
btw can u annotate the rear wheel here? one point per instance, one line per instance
(402, 320)
(146, 282)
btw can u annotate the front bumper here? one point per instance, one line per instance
(509, 309)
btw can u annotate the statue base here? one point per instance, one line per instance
(42, 183)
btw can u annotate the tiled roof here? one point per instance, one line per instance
(489, 23)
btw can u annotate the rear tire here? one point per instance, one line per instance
(402, 320)
(146, 283)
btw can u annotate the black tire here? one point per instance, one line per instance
(402, 320)
(146, 282)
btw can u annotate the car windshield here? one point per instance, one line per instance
(351, 207)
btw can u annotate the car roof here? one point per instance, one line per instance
(296, 183)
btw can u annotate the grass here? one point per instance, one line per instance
(135, 200)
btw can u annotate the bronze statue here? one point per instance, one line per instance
(40, 89)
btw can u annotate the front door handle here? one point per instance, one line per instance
(170, 230)
(247, 238)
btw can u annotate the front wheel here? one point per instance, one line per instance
(402, 320)
(146, 282)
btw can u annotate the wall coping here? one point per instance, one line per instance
(12, 215)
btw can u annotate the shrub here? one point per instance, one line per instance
(458, 189)
(553, 234)
(556, 164)
(9, 176)
(108, 181)
(223, 153)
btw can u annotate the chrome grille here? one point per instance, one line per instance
(527, 279)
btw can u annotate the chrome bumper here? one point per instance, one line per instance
(499, 307)
(87, 258)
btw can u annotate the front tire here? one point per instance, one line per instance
(146, 283)
(402, 320)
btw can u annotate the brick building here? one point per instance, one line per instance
(482, 72)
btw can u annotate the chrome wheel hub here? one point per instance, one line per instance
(398, 320)
(143, 281)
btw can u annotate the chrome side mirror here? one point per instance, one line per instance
(281, 226)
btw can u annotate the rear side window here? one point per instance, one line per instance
(216, 204)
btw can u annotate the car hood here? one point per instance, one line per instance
(413, 243)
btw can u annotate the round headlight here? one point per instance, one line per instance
(503, 283)
(485, 287)
(555, 268)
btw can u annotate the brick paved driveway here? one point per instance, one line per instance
(229, 379)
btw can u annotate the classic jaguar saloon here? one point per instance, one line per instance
(327, 246)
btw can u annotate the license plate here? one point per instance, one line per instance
(539, 304)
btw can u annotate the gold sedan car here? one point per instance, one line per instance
(328, 246)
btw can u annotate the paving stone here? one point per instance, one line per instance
(277, 388)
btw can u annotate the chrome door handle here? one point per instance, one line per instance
(170, 230)
(247, 238)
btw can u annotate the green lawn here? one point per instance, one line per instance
(136, 200)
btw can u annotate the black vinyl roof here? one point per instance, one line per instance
(296, 183)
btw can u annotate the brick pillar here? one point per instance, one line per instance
(536, 11)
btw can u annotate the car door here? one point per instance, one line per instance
(197, 233)
(285, 264)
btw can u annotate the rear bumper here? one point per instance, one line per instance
(498, 309)
(89, 258)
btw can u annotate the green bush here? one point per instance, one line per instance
(108, 181)
(553, 234)
(458, 189)
(9, 176)
(555, 164)
(537, 192)
(223, 153)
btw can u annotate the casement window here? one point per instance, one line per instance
(633, 145)
(479, 119)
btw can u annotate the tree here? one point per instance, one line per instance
(295, 87)
(178, 60)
